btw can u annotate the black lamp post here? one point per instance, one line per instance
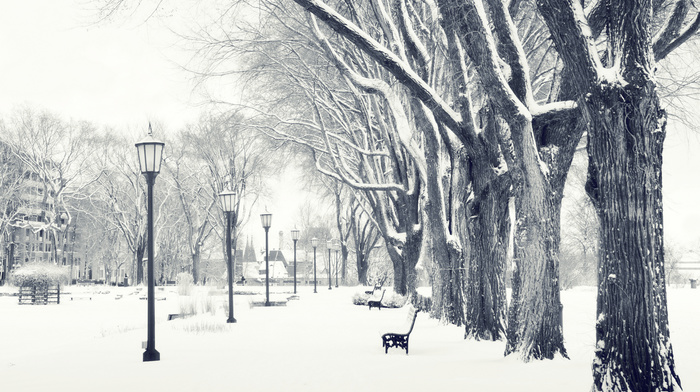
(150, 154)
(266, 220)
(314, 243)
(337, 246)
(295, 238)
(227, 199)
(329, 245)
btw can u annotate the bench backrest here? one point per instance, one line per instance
(412, 315)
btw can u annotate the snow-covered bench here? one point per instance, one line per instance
(376, 287)
(393, 339)
(375, 303)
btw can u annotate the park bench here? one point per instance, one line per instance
(77, 296)
(377, 286)
(376, 304)
(393, 339)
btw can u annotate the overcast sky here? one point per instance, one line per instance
(126, 74)
(116, 74)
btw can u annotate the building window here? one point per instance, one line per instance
(26, 232)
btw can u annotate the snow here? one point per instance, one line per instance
(320, 342)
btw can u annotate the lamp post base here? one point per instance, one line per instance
(231, 320)
(151, 355)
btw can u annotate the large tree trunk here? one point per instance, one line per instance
(195, 266)
(535, 314)
(625, 141)
(140, 251)
(448, 285)
(489, 232)
(362, 267)
(404, 262)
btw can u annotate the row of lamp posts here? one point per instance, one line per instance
(150, 156)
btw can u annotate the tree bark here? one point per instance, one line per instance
(140, 251)
(535, 314)
(362, 267)
(448, 288)
(404, 260)
(489, 232)
(195, 266)
(626, 134)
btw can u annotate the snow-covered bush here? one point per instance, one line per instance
(199, 303)
(360, 299)
(40, 274)
(390, 300)
(203, 325)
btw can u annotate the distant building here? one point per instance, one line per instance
(29, 235)
(278, 265)
(247, 264)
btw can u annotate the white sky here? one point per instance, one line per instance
(111, 74)
(121, 75)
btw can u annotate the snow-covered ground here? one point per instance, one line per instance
(320, 342)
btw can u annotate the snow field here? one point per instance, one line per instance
(320, 342)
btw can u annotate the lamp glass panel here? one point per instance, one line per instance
(227, 200)
(266, 220)
(141, 150)
(150, 155)
(157, 156)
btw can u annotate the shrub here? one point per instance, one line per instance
(200, 303)
(360, 299)
(184, 282)
(390, 300)
(393, 300)
(203, 325)
(40, 274)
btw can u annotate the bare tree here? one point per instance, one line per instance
(120, 196)
(365, 237)
(219, 152)
(11, 189)
(57, 152)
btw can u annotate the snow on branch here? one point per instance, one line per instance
(419, 50)
(352, 183)
(390, 61)
(392, 99)
(670, 37)
(573, 38)
(513, 52)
